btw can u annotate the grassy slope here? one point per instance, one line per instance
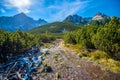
(55, 27)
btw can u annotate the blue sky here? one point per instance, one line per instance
(57, 10)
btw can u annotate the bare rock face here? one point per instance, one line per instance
(76, 19)
(100, 16)
(97, 17)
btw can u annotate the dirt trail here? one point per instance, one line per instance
(67, 66)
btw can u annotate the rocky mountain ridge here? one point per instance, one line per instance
(84, 20)
(19, 21)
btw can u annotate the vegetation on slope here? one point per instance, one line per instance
(18, 42)
(56, 27)
(105, 38)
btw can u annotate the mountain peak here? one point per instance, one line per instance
(20, 15)
(75, 15)
(99, 13)
(99, 16)
(76, 19)
(19, 21)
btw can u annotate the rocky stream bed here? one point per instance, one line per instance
(21, 67)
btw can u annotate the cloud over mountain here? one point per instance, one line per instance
(20, 5)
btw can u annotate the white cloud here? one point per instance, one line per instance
(54, 11)
(21, 5)
(2, 10)
(67, 8)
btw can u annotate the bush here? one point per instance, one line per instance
(85, 54)
(16, 43)
(98, 55)
(114, 65)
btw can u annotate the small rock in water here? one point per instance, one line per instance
(26, 59)
(24, 77)
(34, 78)
(43, 50)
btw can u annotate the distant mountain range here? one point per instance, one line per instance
(72, 22)
(81, 20)
(19, 21)
(25, 23)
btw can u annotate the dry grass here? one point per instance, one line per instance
(98, 57)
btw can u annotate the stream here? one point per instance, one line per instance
(21, 67)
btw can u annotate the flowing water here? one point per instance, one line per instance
(21, 67)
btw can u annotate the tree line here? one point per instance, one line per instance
(18, 42)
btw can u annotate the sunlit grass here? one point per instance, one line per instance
(99, 57)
